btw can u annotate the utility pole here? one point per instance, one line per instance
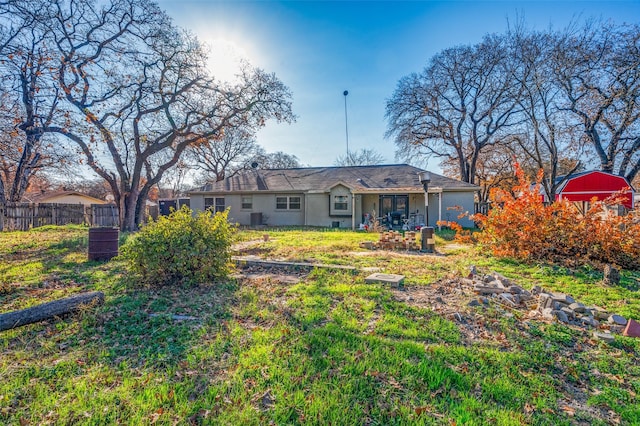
(346, 123)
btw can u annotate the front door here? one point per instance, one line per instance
(393, 205)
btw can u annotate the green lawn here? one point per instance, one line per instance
(328, 350)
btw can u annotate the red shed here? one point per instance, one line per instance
(586, 185)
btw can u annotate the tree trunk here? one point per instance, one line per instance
(49, 310)
(128, 223)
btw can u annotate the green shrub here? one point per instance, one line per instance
(181, 249)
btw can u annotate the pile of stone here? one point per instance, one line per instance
(393, 240)
(550, 306)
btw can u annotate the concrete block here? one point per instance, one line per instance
(617, 320)
(379, 278)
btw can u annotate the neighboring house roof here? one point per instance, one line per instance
(605, 180)
(56, 196)
(595, 183)
(360, 179)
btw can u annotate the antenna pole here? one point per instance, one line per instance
(346, 123)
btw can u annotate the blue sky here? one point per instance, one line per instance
(320, 49)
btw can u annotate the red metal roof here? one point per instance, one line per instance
(587, 185)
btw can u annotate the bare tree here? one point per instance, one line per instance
(361, 157)
(28, 98)
(274, 160)
(545, 138)
(225, 157)
(461, 104)
(597, 67)
(138, 94)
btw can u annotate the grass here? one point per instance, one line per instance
(328, 350)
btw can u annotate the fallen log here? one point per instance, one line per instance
(47, 310)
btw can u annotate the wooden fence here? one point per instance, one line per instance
(24, 216)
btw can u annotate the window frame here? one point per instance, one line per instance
(288, 203)
(341, 203)
(216, 206)
(244, 205)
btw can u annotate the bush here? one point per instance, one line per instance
(181, 249)
(521, 226)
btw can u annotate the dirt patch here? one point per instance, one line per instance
(449, 298)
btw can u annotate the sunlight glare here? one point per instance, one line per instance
(225, 58)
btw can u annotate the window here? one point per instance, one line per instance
(216, 204)
(340, 202)
(247, 202)
(281, 203)
(288, 203)
(294, 203)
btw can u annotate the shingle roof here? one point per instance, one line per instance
(395, 177)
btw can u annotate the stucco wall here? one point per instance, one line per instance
(261, 203)
(340, 191)
(315, 208)
(453, 199)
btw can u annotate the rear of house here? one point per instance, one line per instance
(343, 197)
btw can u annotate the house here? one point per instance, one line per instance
(64, 197)
(342, 197)
(581, 188)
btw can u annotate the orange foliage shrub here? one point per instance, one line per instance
(523, 227)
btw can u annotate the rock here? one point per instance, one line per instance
(497, 284)
(547, 313)
(561, 316)
(562, 298)
(632, 329)
(472, 270)
(484, 289)
(605, 337)
(474, 303)
(467, 281)
(618, 329)
(569, 312)
(526, 295)
(544, 301)
(611, 275)
(504, 281)
(439, 300)
(514, 289)
(617, 320)
(589, 321)
(507, 298)
(536, 289)
(577, 307)
(600, 314)
(484, 300)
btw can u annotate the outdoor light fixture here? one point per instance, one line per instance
(425, 179)
(426, 233)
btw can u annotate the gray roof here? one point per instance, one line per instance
(379, 178)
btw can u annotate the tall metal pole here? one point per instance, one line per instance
(426, 232)
(346, 125)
